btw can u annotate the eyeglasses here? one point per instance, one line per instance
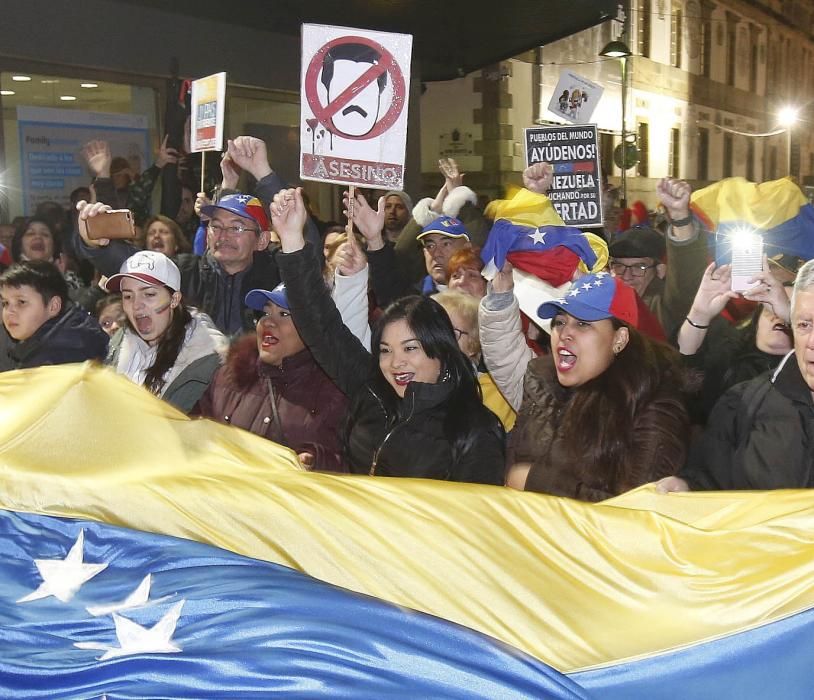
(458, 333)
(637, 270)
(236, 230)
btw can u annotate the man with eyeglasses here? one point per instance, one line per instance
(665, 271)
(237, 259)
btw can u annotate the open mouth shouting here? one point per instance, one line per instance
(565, 359)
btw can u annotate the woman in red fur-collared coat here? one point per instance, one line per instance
(271, 386)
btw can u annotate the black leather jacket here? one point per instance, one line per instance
(411, 442)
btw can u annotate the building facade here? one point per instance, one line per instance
(705, 81)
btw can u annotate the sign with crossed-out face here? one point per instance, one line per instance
(353, 126)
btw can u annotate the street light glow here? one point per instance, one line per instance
(788, 116)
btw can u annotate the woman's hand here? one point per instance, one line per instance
(88, 211)
(672, 484)
(350, 259)
(713, 294)
(453, 177)
(770, 292)
(288, 217)
(504, 280)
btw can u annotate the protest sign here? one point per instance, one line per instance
(574, 98)
(51, 141)
(574, 153)
(208, 106)
(353, 126)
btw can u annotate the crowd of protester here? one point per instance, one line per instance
(398, 349)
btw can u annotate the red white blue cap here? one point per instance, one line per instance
(445, 225)
(593, 298)
(147, 266)
(258, 298)
(244, 205)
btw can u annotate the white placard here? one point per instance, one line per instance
(208, 107)
(355, 85)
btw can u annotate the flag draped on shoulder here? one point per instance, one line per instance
(777, 209)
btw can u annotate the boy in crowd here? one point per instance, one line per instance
(40, 326)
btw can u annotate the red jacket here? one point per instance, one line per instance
(310, 408)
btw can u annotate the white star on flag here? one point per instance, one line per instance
(587, 285)
(62, 578)
(538, 236)
(136, 599)
(243, 198)
(573, 292)
(560, 301)
(601, 274)
(135, 639)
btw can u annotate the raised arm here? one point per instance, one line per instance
(250, 154)
(505, 352)
(106, 256)
(339, 352)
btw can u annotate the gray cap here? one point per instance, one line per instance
(408, 203)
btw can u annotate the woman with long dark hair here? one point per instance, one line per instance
(165, 346)
(415, 404)
(603, 413)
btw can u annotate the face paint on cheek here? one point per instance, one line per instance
(162, 309)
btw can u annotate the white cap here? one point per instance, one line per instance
(147, 266)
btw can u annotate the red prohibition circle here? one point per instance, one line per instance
(387, 64)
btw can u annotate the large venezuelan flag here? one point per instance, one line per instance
(643, 596)
(778, 209)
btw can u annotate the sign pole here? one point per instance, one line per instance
(351, 210)
(203, 169)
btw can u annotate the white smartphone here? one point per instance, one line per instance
(747, 260)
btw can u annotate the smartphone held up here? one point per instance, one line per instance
(747, 259)
(116, 223)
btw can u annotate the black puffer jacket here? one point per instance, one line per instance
(73, 336)
(760, 435)
(410, 443)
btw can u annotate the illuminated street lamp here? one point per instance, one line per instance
(620, 50)
(787, 117)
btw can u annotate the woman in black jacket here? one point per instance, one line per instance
(416, 408)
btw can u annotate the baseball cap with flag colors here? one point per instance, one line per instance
(593, 298)
(445, 225)
(147, 266)
(244, 205)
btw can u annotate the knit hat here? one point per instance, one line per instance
(593, 298)
(147, 266)
(403, 196)
(638, 242)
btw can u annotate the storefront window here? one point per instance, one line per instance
(46, 121)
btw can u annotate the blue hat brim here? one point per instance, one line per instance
(258, 298)
(446, 234)
(210, 209)
(574, 308)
